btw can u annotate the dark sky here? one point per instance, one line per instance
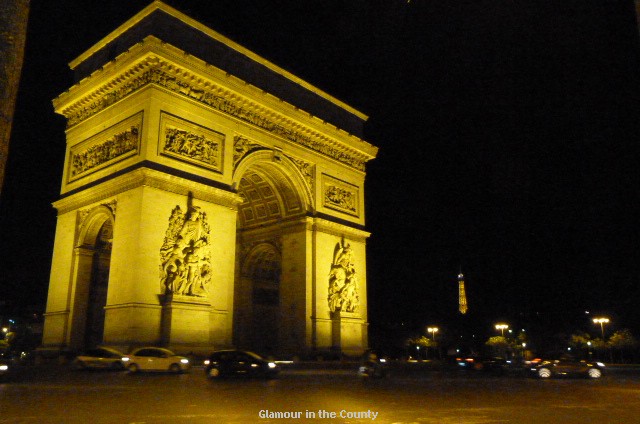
(508, 135)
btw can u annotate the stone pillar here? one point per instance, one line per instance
(81, 279)
(348, 333)
(185, 322)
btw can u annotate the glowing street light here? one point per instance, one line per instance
(502, 327)
(433, 331)
(602, 322)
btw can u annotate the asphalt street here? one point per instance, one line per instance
(60, 395)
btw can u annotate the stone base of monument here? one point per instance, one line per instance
(349, 335)
(185, 323)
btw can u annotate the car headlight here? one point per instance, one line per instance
(125, 359)
(184, 360)
(4, 367)
(600, 364)
(271, 364)
(207, 362)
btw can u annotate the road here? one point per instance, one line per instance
(59, 395)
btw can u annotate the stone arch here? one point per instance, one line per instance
(91, 278)
(292, 194)
(276, 197)
(93, 223)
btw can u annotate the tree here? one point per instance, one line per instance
(581, 342)
(499, 345)
(622, 340)
(13, 34)
(420, 342)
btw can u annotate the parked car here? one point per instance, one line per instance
(101, 357)
(568, 366)
(225, 363)
(155, 359)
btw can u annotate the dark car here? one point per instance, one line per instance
(568, 366)
(224, 363)
(482, 363)
(11, 363)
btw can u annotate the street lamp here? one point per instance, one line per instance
(502, 327)
(602, 322)
(433, 331)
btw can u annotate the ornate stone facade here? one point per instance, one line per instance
(156, 70)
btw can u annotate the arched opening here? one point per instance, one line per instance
(93, 258)
(260, 278)
(273, 195)
(98, 285)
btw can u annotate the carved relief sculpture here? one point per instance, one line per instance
(185, 259)
(242, 146)
(343, 282)
(191, 143)
(102, 150)
(339, 195)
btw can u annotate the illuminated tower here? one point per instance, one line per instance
(462, 297)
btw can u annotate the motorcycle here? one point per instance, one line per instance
(373, 367)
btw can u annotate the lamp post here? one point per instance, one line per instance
(602, 322)
(501, 327)
(433, 331)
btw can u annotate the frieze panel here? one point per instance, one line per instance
(217, 99)
(107, 147)
(341, 196)
(191, 143)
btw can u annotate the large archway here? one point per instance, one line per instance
(273, 196)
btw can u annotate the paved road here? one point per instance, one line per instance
(57, 395)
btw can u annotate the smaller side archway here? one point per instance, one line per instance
(91, 278)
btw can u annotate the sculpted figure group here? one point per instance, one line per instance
(185, 263)
(343, 290)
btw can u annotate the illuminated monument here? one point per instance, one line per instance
(209, 199)
(462, 295)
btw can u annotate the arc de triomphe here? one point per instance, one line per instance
(209, 199)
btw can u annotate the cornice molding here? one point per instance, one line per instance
(153, 62)
(340, 230)
(149, 178)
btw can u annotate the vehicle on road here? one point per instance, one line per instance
(482, 363)
(5, 367)
(155, 359)
(225, 363)
(101, 357)
(567, 366)
(372, 366)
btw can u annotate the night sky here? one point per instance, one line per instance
(508, 135)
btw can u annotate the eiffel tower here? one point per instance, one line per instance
(462, 297)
